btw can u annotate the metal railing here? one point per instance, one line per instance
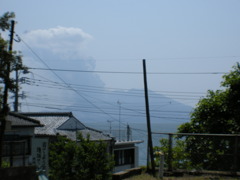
(215, 152)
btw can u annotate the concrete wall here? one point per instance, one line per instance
(126, 174)
(122, 168)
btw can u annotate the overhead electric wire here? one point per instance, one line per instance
(139, 111)
(213, 58)
(123, 72)
(42, 96)
(48, 106)
(121, 94)
(121, 89)
(73, 89)
(102, 90)
(69, 86)
(133, 110)
(63, 80)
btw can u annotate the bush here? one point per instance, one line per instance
(84, 160)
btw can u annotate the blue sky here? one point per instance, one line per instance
(174, 36)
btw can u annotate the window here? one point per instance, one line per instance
(16, 148)
(124, 157)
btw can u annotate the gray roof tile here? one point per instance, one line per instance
(19, 120)
(64, 124)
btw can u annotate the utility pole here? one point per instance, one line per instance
(17, 80)
(21, 80)
(5, 95)
(128, 133)
(110, 126)
(119, 133)
(16, 92)
(5, 107)
(150, 145)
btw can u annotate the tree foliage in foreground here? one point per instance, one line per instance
(9, 62)
(12, 59)
(217, 113)
(82, 160)
(180, 159)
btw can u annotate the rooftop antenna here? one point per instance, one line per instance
(110, 126)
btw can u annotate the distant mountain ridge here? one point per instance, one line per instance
(129, 107)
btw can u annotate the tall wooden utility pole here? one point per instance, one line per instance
(5, 95)
(5, 107)
(16, 92)
(150, 145)
(119, 133)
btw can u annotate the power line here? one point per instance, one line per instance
(81, 106)
(108, 88)
(60, 107)
(211, 58)
(126, 72)
(102, 91)
(69, 86)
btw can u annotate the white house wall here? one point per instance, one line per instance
(136, 157)
(119, 168)
(40, 154)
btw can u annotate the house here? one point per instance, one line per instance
(66, 124)
(20, 144)
(126, 155)
(63, 124)
(125, 150)
(27, 138)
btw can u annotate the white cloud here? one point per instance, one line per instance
(60, 48)
(65, 41)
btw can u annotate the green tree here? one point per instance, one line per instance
(180, 159)
(9, 61)
(84, 160)
(217, 113)
(13, 59)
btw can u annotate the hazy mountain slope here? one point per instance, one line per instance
(129, 107)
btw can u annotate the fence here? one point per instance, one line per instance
(215, 152)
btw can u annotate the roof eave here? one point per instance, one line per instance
(128, 142)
